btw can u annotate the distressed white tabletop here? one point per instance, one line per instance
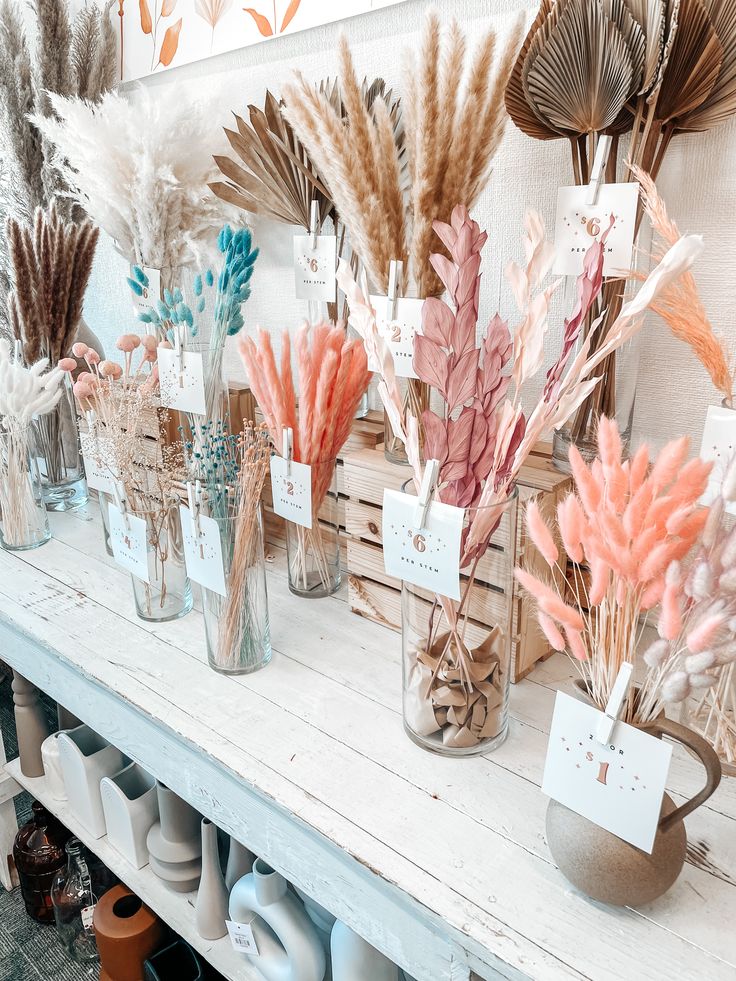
(440, 863)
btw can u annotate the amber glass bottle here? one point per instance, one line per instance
(38, 853)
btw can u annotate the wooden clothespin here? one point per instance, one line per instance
(121, 503)
(91, 416)
(194, 496)
(313, 224)
(616, 700)
(395, 275)
(179, 342)
(426, 492)
(288, 448)
(599, 168)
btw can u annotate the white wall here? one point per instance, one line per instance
(698, 182)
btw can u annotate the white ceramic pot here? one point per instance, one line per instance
(210, 910)
(85, 759)
(354, 959)
(289, 948)
(175, 842)
(52, 766)
(131, 808)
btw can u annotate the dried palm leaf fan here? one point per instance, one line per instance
(652, 67)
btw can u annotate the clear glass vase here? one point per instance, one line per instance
(457, 654)
(74, 900)
(168, 593)
(23, 520)
(104, 502)
(60, 457)
(313, 554)
(237, 628)
(415, 396)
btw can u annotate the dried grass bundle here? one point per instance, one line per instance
(453, 119)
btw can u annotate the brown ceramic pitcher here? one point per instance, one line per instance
(613, 871)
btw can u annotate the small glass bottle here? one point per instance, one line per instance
(74, 903)
(38, 853)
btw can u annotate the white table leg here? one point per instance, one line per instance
(8, 823)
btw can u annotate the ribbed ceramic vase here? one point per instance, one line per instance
(174, 842)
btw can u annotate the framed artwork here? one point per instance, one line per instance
(156, 35)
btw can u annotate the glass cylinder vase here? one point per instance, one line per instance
(237, 628)
(59, 456)
(168, 593)
(74, 900)
(415, 397)
(23, 520)
(104, 502)
(457, 653)
(313, 554)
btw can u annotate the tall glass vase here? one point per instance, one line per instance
(23, 520)
(168, 593)
(457, 654)
(313, 554)
(415, 399)
(237, 628)
(59, 456)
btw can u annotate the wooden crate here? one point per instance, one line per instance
(377, 596)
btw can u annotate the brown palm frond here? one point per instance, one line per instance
(720, 103)
(650, 16)
(694, 63)
(520, 110)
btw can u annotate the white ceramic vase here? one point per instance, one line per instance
(52, 766)
(354, 959)
(175, 843)
(131, 808)
(85, 759)
(210, 910)
(289, 948)
(239, 863)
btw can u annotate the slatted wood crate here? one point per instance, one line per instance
(377, 596)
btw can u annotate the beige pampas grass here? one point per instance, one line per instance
(679, 305)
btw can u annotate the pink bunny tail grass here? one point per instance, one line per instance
(588, 488)
(635, 512)
(257, 381)
(549, 601)
(575, 643)
(599, 580)
(609, 442)
(613, 530)
(667, 465)
(571, 523)
(550, 631)
(540, 534)
(670, 617)
(287, 381)
(703, 634)
(652, 594)
(656, 562)
(638, 468)
(692, 482)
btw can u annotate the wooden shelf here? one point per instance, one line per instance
(176, 909)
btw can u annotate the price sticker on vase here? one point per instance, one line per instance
(203, 550)
(427, 556)
(314, 268)
(291, 487)
(579, 224)
(241, 937)
(399, 332)
(129, 542)
(88, 916)
(618, 784)
(182, 383)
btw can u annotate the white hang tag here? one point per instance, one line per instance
(151, 293)
(98, 466)
(399, 333)
(619, 785)
(129, 542)
(203, 551)
(428, 557)
(182, 389)
(291, 487)
(88, 915)
(241, 937)
(579, 224)
(718, 446)
(314, 268)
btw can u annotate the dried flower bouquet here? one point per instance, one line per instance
(481, 439)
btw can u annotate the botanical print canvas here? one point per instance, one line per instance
(160, 34)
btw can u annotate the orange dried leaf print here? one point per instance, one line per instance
(146, 25)
(170, 44)
(167, 7)
(262, 23)
(289, 15)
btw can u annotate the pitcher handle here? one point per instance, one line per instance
(705, 753)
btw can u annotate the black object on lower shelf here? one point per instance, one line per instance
(179, 962)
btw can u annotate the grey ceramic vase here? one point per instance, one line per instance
(239, 863)
(611, 870)
(354, 959)
(175, 843)
(210, 909)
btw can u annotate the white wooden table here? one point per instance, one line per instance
(442, 864)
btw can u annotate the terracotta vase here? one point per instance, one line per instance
(127, 933)
(210, 910)
(174, 843)
(611, 870)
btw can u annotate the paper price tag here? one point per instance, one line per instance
(151, 293)
(88, 915)
(129, 542)
(578, 225)
(428, 557)
(182, 390)
(400, 332)
(203, 552)
(314, 269)
(98, 455)
(241, 937)
(619, 785)
(292, 492)
(719, 447)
